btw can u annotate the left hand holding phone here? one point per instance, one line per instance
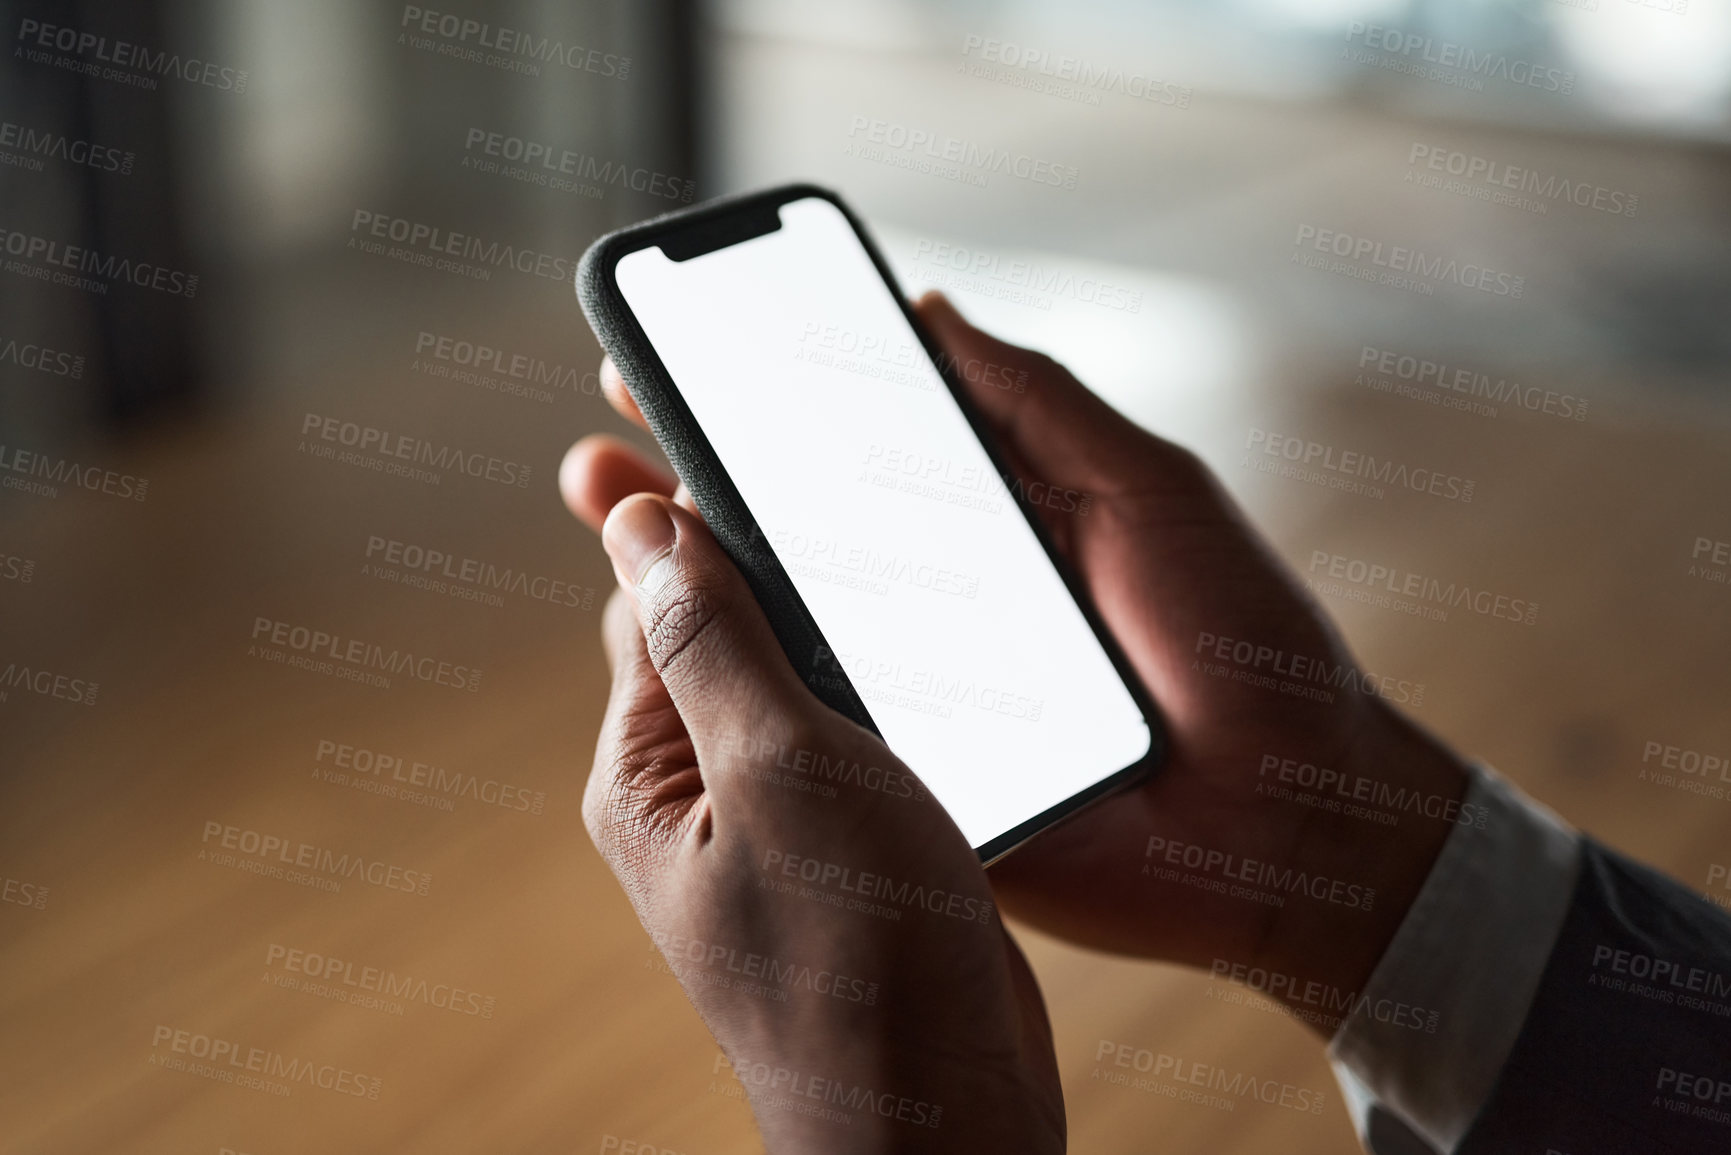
(823, 913)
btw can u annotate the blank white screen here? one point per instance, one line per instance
(975, 662)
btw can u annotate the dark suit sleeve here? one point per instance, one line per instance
(1627, 1046)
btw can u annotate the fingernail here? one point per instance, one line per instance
(637, 536)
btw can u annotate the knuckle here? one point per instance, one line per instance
(1045, 362)
(685, 610)
(1037, 365)
(618, 613)
(597, 816)
(1185, 474)
(632, 801)
(618, 627)
(1187, 464)
(606, 801)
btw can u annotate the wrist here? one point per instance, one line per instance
(840, 1086)
(864, 1112)
(1326, 951)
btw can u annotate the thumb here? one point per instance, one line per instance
(1054, 426)
(704, 631)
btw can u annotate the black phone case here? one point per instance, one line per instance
(713, 225)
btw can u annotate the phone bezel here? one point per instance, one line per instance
(733, 523)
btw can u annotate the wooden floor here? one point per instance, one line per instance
(586, 1040)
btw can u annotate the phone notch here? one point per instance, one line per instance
(722, 231)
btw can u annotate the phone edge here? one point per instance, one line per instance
(695, 459)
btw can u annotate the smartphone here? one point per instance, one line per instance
(840, 464)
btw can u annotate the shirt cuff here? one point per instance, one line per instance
(1433, 1027)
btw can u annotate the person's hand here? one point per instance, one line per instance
(835, 931)
(1237, 656)
(1253, 683)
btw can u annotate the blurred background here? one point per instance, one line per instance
(246, 245)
